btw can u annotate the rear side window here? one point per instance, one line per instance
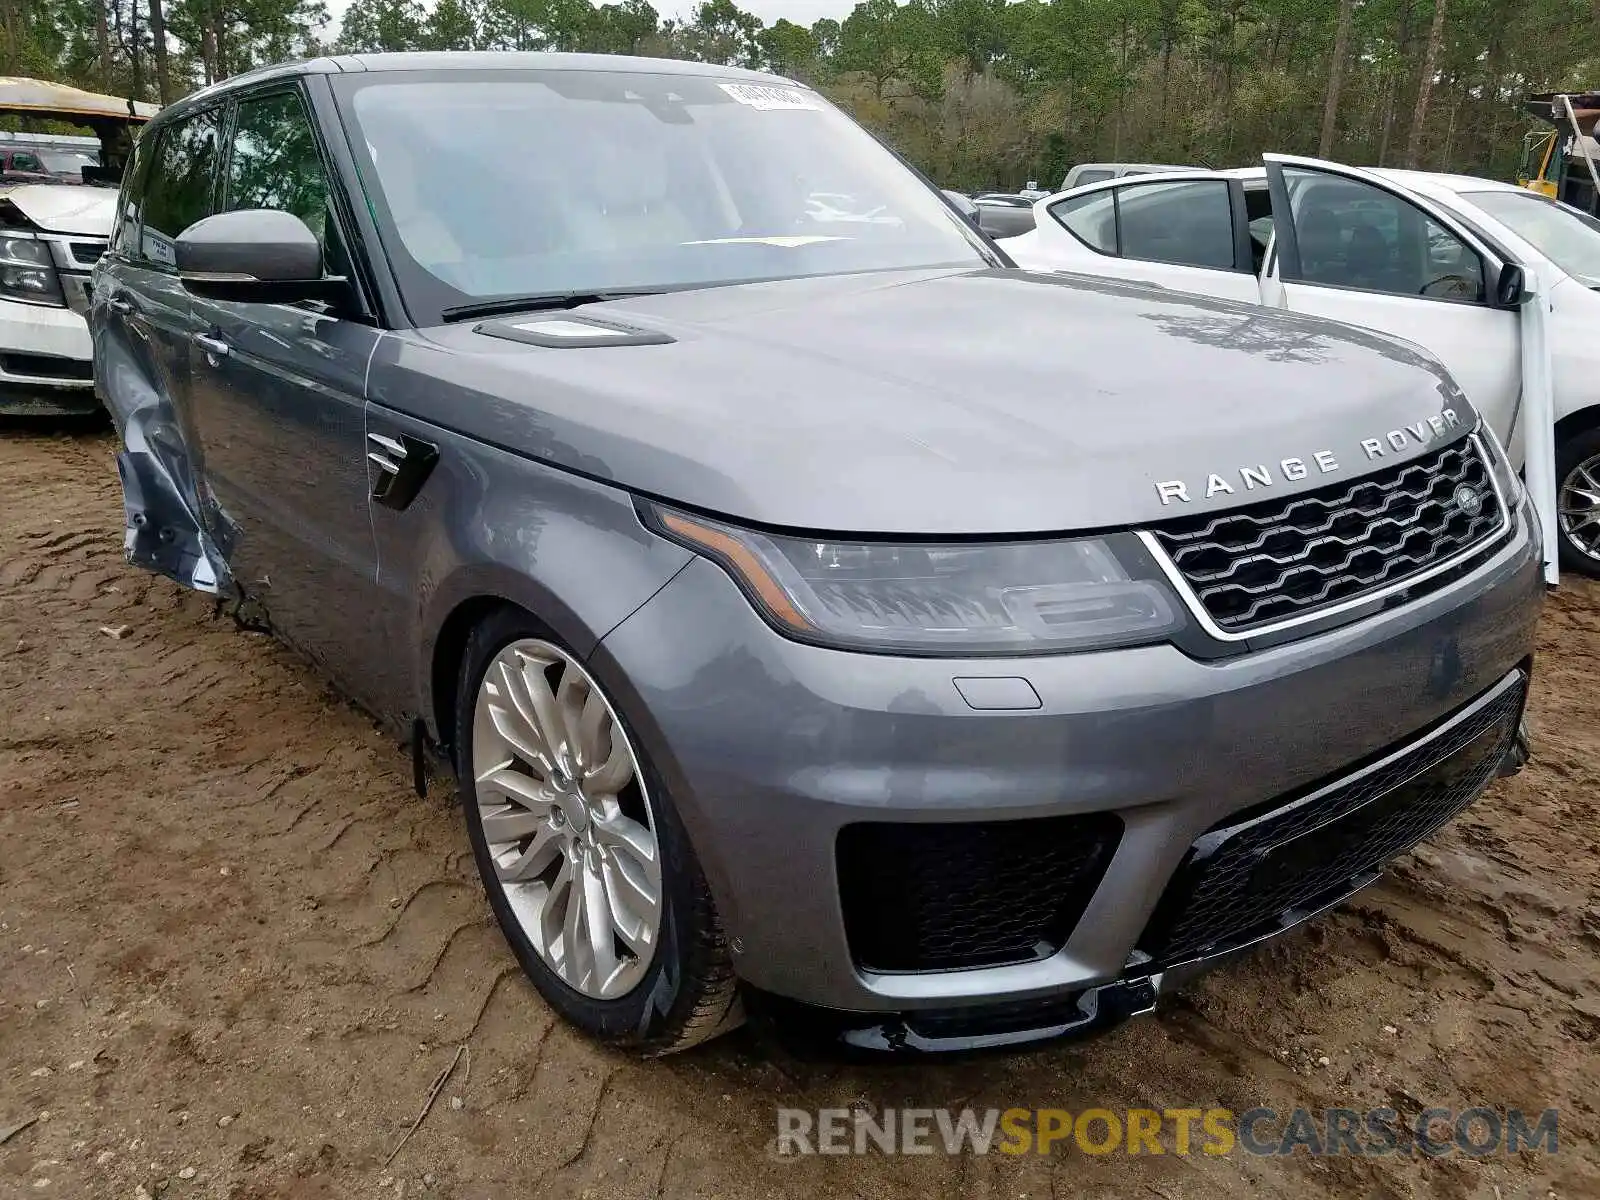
(1092, 219)
(183, 176)
(1087, 177)
(25, 162)
(1189, 223)
(125, 233)
(276, 164)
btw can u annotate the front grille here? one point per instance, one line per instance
(86, 254)
(46, 366)
(947, 896)
(1281, 559)
(1261, 872)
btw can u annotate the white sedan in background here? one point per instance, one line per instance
(1420, 256)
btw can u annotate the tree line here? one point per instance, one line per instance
(979, 93)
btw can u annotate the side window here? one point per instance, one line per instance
(1189, 223)
(181, 183)
(26, 162)
(1351, 234)
(276, 164)
(1453, 270)
(1092, 219)
(1086, 177)
(125, 233)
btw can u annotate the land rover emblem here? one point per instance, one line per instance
(1469, 500)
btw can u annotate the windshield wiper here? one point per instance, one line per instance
(539, 302)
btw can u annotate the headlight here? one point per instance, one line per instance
(26, 271)
(940, 598)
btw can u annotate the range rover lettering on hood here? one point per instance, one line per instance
(1292, 470)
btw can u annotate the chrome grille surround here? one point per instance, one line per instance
(1395, 529)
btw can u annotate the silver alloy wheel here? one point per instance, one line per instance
(1578, 507)
(567, 819)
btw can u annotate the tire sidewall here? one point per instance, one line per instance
(656, 1001)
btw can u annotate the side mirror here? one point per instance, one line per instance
(964, 204)
(1510, 289)
(254, 256)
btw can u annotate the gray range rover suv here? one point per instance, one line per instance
(824, 618)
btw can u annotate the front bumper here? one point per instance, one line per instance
(770, 749)
(46, 361)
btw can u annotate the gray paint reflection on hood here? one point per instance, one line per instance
(932, 402)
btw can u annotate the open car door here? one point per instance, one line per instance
(1355, 247)
(1352, 246)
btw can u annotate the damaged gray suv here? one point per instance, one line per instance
(825, 620)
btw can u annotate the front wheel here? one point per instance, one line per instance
(1578, 502)
(587, 868)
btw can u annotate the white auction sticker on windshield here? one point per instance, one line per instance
(761, 96)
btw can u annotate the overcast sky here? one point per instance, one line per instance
(801, 12)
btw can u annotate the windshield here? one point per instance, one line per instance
(66, 163)
(505, 183)
(1567, 237)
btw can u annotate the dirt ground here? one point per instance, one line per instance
(236, 950)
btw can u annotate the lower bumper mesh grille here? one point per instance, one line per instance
(1248, 878)
(953, 895)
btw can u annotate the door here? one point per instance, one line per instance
(1189, 234)
(279, 393)
(1357, 248)
(142, 323)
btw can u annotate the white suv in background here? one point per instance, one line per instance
(1416, 255)
(51, 236)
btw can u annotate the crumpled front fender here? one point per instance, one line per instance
(161, 507)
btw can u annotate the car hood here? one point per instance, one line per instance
(937, 402)
(65, 207)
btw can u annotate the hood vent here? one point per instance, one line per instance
(563, 331)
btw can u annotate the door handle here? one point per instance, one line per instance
(213, 346)
(120, 304)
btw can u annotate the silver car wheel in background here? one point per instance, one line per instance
(567, 819)
(1578, 507)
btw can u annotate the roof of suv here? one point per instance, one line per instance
(465, 60)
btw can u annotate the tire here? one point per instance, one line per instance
(1576, 456)
(687, 992)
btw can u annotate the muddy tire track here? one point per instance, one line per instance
(232, 940)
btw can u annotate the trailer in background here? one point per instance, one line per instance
(110, 124)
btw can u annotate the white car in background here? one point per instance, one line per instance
(1436, 259)
(53, 231)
